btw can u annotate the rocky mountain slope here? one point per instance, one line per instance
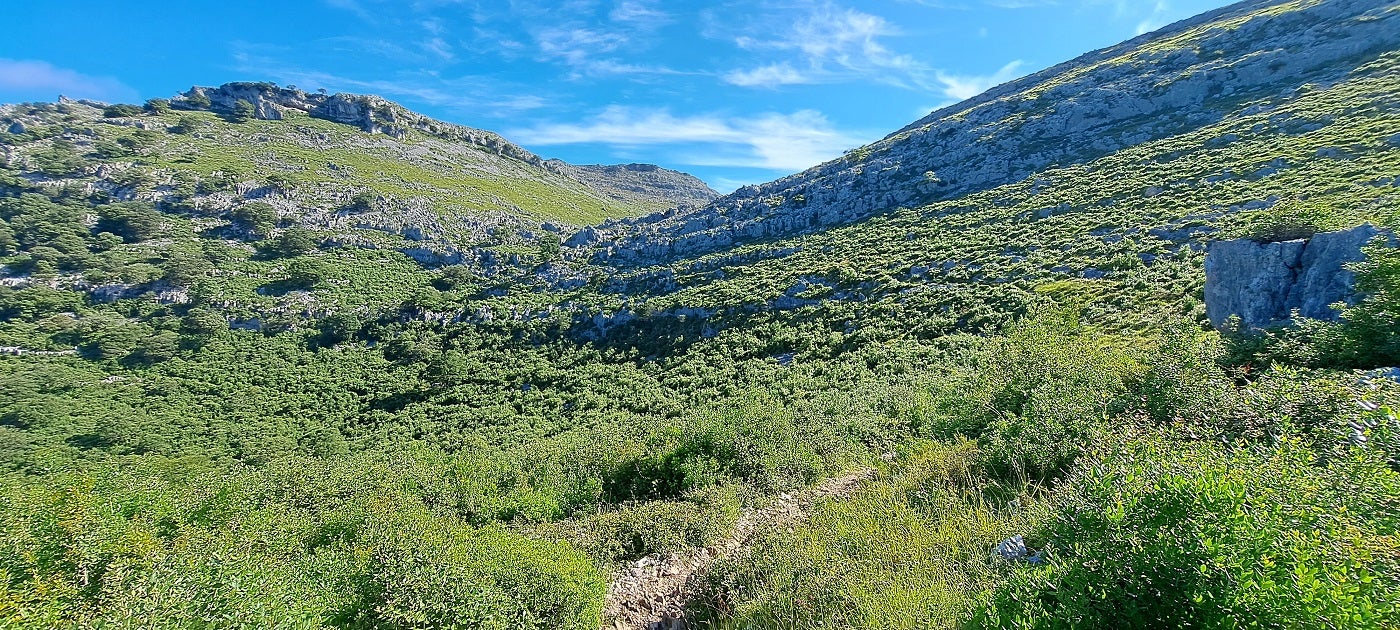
(1248, 60)
(640, 184)
(1114, 211)
(359, 166)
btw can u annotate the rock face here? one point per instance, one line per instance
(1263, 283)
(1185, 76)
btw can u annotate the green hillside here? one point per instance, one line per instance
(295, 373)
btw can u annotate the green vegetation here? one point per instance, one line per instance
(253, 375)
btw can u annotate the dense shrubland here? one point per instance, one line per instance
(230, 415)
(1176, 495)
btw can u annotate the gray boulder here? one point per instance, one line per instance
(1264, 283)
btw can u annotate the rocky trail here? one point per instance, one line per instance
(651, 593)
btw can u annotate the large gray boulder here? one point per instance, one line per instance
(1264, 283)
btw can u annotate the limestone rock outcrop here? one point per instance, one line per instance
(1265, 283)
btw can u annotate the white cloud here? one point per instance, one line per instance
(577, 46)
(767, 76)
(781, 142)
(352, 6)
(1157, 19)
(29, 75)
(830, 40)
(1019, 4)
(963, 87)
(435, 43)
(639, 13)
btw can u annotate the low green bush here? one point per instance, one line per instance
(1038, 397)
(911, 550)
(640, 529)
(1174, 535)
(754, 441)
(489, 580)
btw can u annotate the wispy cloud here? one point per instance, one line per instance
(352, 6)
(1157, 19)
(829, 42)
(576, 46)
(645, 14)
(963, 87)
(435, 43)
(479, 95)
(780, 142)
(35, 76)
(771, 75)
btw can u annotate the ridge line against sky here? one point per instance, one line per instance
(734, 91)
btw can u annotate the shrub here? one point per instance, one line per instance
(243, 111)
(754, 441)
(121, 111)
(489, 579)
(133, 221)
(640, 529)
(184, 268)
(60, 159)
(256, 218)
(1293, 219)
(307, 273)
(1177, 536)
(1370, 333)
(187, 124)
(910, 550)
(293, 242)
(1183, 380)
(1039, 396)
(162, 346)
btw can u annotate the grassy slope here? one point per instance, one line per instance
(333, 161)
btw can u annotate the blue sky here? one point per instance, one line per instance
(735, 91)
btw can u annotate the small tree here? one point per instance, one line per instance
(282, 182)
(364, 201)
(186, 124)
(157, 106)
(306, 273)
(256, 218)
(294, 242)
(184, 268)
(243, 111)
(549, 246)
(8, 243)
(198, 100)
(162, 346)
(134, 221)
(121, 111)
(340, 327)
